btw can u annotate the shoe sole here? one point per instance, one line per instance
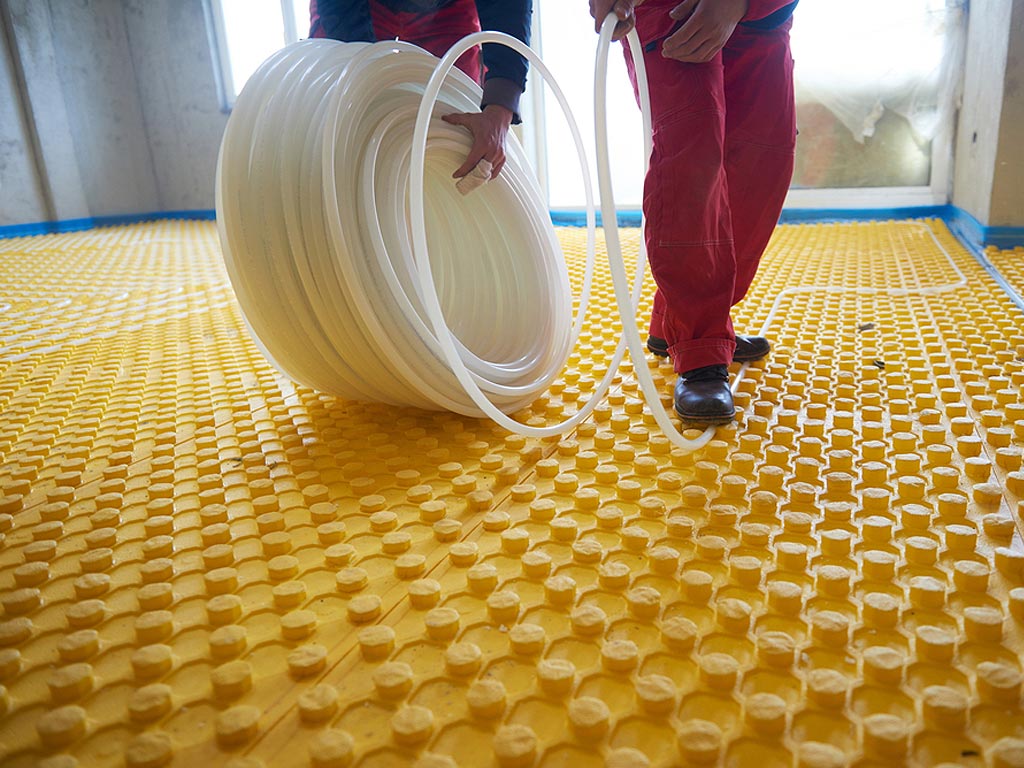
(706, 421)
(657, 351)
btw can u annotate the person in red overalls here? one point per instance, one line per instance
(436, 25)
(721, 84)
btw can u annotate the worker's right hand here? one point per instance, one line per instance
(706, 26)
(600, 9)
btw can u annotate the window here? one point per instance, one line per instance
(246, 32)
(874, 87)
(568, 49)
(875, 101)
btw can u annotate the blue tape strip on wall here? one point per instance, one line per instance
(966, 227)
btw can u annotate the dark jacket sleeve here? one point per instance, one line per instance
(345, 20)
(506, 69)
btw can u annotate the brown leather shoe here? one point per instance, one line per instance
(703, 396)
(750, 348)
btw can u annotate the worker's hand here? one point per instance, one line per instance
(707, 26)
(600, 9)
(489, 129)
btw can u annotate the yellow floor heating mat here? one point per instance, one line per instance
(202, 564)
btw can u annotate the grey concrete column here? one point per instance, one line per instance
(46, 115)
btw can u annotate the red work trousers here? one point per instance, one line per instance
(436, 31)
(724, 135)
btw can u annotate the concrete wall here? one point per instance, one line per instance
(80, 102)
(1007, 208)
(106, 107)
(174, 66)
(989, 158)
(102, 98)
(20, 192)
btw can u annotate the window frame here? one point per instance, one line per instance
(216, 29)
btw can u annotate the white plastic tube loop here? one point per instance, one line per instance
(419, 239)
(627, 302)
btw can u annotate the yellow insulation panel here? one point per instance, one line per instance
(203, 563)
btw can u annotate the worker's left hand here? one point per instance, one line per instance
(489, 129)
(708, 26)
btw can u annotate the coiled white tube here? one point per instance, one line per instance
(442, 302)
(311, 200)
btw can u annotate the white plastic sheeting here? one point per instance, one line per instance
(860, 59)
